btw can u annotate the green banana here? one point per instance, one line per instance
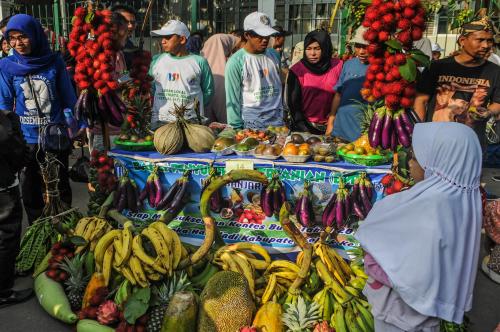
(338, 319)
(350, 320)
(200, 280)
(365, 314)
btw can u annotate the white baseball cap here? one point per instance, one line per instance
(436, 48)
(358, 36)
(172, 27)
(259, 23)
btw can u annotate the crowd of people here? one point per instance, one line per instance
(246, 80)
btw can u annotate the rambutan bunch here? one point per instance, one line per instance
(411, 26)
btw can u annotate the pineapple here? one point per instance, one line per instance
(302, 316)
(163, 294)
(77, 281)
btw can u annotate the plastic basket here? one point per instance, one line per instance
(374, 160)
(133, 146)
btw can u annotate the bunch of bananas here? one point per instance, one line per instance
(91, 229)
(280, 275)
(238, 257)
(354, 315)
(122, 251)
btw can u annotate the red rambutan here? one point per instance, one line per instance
(396, 88)
(370, 77)
(376, 93)
(405, 37)
(395, 73)
(389, 77)
(371, 14)
(406, 102)
(373, 48)
(397, 6)
(416, 33)
(409, 92)
(370, 35)
(404, 24)
(408, 13)
(418, 21)
(410, 3)
(388, 19)
(400, 59)
(383, 36)
(380, 77)
(378, 85)
(377, 25)
(376, 3)
(367, 84)
(366, 23)
(392, 101)
(80, 12)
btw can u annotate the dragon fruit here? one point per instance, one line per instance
(108, 313)
(248, 329)
(323, 327)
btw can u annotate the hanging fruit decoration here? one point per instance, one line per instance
(393, 26)
(91, 45)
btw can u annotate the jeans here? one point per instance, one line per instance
(33, 187)
(11, 216)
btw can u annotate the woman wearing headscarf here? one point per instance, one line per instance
(310, 82)
(217, 49)
(422, 244)
(195, 43)
(5, 47)
(33, 82)
(346, 114)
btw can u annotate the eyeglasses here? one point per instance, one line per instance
(21, 38)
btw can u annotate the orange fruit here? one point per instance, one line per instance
(291, 149)
(304, 146)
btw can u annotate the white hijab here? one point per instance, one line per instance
(427, 238)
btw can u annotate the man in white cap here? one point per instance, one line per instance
(180, 78)
(253, 84)
(436, 51)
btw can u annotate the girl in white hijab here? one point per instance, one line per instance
(423, 244)
(217, 50)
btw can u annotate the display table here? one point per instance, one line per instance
(323, 177)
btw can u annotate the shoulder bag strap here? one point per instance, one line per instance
(40, 114)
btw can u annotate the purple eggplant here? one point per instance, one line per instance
(364, 199)
(394, 139)
(118, 102)
(328, 208)
(339, 211)
(177, 203)
(305, 218)
(282, 194)
(368, 187)
(358, 210)
(372, 125)
(267, 202)
(276, 200)
(387, 131)
(377, 129)
(118, 192)
(403, 137)
(152, 192)
(407, 122)
(216, 202)
(122, 202)
(144, 193)
(167, 198)
(115, 117)
(297, 205)
(347, 205)
(131, 199)
(158, 189)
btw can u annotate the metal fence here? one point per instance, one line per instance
(297, 16)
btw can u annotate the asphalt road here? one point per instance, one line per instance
(29, 316)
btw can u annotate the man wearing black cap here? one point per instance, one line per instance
(463, 88)
(279, 44)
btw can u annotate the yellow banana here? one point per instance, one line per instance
(100, 227)
(358, 283)
(337, 289)
(282, 265)
(330, 263)
(138, 272)
(117, 244)
(166, 237)
(139, 252)
(346, 269)
(286, 275)
(246, 268)
(126, 243)
(127, 273)
(80, 226)
(160, 246)
(250, 246)
(286, 283)
(257, 264)
(184, 252)
(106, 264)
(351, 290)
(270, 289)
(89, 228)
(300, 257)
(104, 242)
(359, 271)
(153, 276)
(168, 233)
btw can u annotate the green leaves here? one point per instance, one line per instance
(137, 304)
(77, 241)
(409, 70)
(394, 44)
(420, 58)
(123, 292)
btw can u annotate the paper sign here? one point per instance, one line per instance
(238, 164)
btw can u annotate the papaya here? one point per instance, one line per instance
(89, 325)
(96, 281)
(268, 318)
(181, 313)
(52, 298)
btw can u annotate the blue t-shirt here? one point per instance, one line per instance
(54, 93)
(347, 123)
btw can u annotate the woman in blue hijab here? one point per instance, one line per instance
(34, 80)
(423, 244)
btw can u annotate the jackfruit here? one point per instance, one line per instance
(226, 303)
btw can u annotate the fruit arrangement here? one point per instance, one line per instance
(91, 44)
(268, 151)
(223, 145)
(136, 127)
(59, 253)
(126, 195)
(100, 161)
(282, 131)
(392, 184)
(170, 138)
(259, 135)
(246, 146)
(323, 152)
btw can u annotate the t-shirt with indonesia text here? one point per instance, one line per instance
(179, 81)
(254, 90)
(455, 90)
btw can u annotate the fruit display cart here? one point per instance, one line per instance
(239, 214)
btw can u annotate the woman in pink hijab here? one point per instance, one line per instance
(217, 50)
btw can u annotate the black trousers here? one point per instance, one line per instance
(11, 217)
(33, 187)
